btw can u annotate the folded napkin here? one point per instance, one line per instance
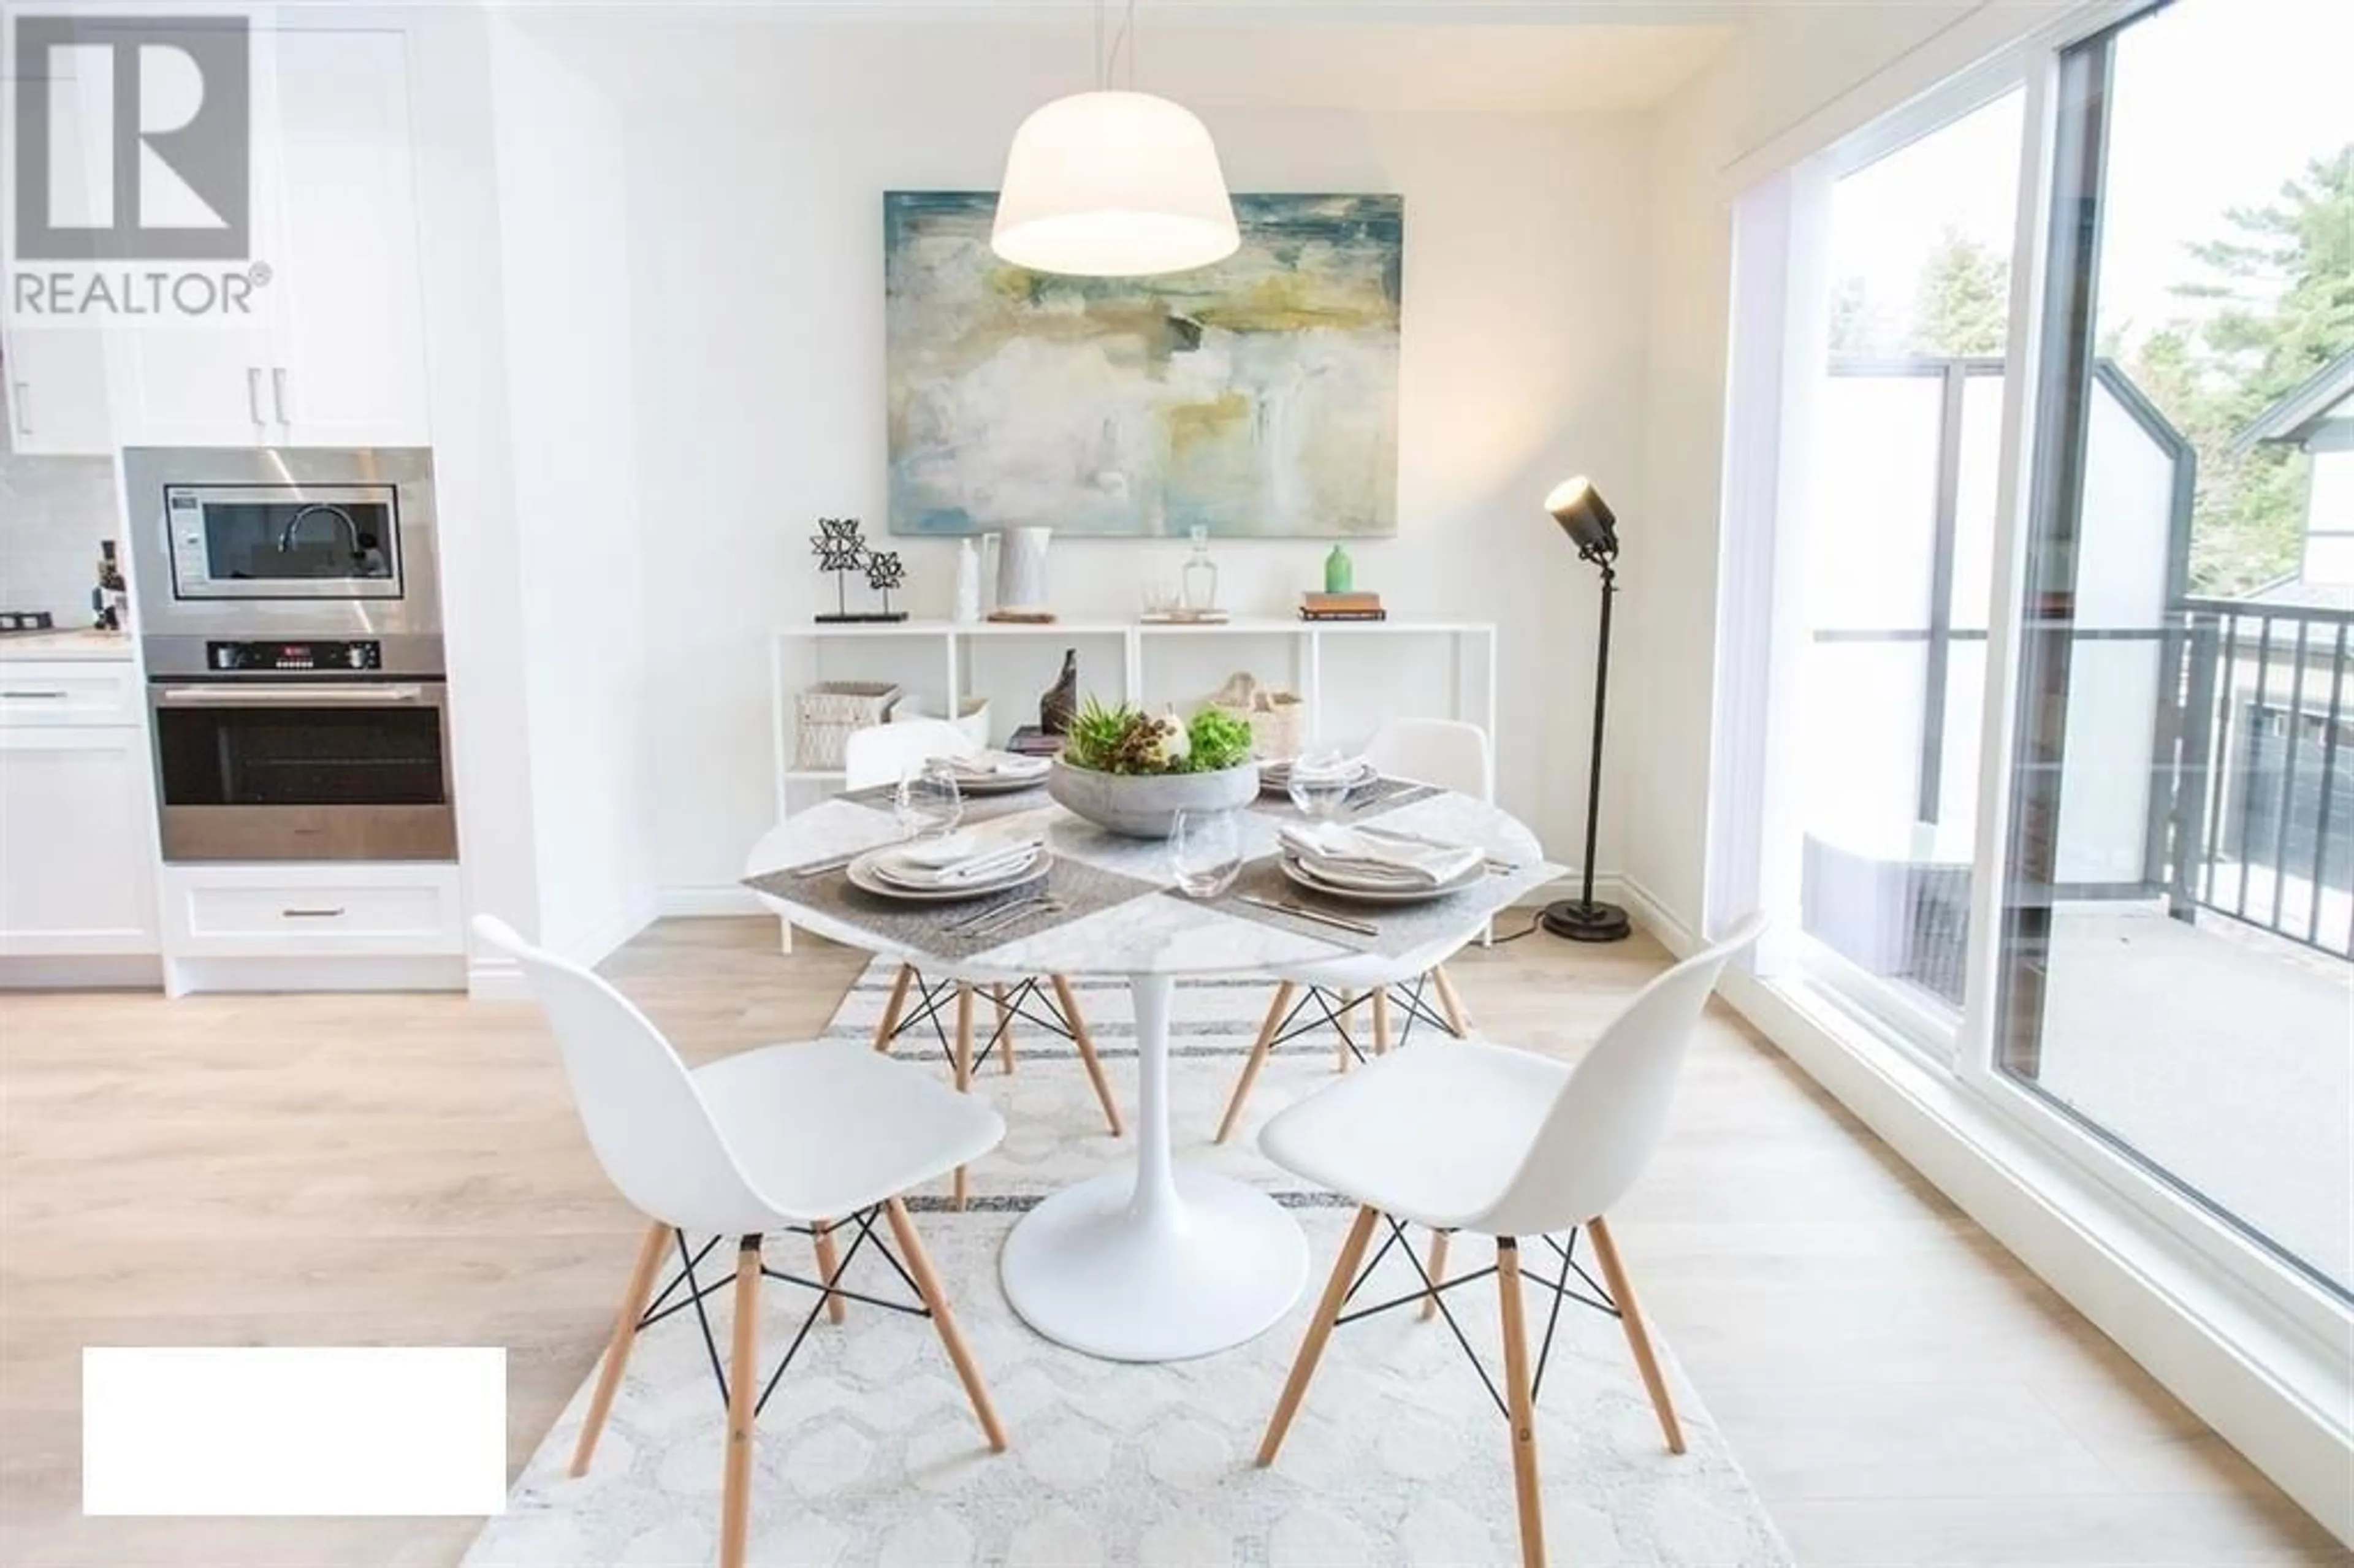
(999, 765)
(927, 865)
(1349, 854)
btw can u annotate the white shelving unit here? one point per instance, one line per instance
(795, 655)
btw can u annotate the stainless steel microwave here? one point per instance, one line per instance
(283, 541)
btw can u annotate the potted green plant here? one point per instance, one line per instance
(1131, 773)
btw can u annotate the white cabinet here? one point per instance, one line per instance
(352, 909)
(56, 392)
(350, 366)
(77, 843)
(335, 352)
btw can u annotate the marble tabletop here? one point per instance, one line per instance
(1151, 934)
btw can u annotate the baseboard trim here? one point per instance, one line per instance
(705, 901)
(116, 971)
(495, 976)
(189, 977)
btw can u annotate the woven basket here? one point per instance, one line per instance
(828, 713)
(1279, 720)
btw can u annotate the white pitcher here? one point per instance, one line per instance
(1021, 571)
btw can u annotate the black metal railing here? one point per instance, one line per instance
(2262, 811)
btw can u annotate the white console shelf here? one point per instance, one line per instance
(794, 662)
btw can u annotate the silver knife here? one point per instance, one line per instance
(1303, 913)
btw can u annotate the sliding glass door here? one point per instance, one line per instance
(2178, 905)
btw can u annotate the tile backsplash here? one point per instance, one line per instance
(54, 511)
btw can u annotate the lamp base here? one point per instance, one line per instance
(1583, 922)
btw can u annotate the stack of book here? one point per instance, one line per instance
(1031, 741)
(1341, 606)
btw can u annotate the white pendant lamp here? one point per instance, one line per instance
(1113, 183)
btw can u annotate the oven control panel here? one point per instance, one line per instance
(294, 658)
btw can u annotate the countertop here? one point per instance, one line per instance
(100, 646)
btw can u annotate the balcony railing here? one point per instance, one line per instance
(2262, 812)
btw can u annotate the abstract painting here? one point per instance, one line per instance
(1257, 398)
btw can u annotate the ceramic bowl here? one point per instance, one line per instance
(1145, 806)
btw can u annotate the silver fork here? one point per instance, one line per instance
(1013, 914)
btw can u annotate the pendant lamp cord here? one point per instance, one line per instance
(1106, 60)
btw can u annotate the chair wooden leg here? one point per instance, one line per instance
(829, 1265)
(893, 1008)
(1639, 1338)
(1344, 1047)
(1004, 1028)
(1523, 1412)
(743, 1394)
(1438, 1272)
(625, 1334)
(1087, 1045)
(1257, 1059)
(1381, 1021)
(928, 1282)
(1459, 1020)
(1320, 1329)
(963, 1073)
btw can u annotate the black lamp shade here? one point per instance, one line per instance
(1586, 517)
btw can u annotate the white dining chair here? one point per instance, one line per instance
(810, 1138)
(1505, 1143)
(882, 754)
(1453, 756)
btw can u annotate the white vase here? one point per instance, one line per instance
(1021, 571)
(968, 582)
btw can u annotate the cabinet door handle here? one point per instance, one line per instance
(33, 696)
(253, 392)
(312, 914)
(278, 390)
(23, 419)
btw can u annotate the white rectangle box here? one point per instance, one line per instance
(313, 1430)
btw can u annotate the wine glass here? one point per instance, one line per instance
(929, 804)
(1205, 852)
(1320, 782)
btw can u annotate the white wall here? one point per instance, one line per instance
(564, 267)
(756, 165)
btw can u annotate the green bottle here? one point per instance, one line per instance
(1340, 572)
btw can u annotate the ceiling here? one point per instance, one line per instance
(1475, 57)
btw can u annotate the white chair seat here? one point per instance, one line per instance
(1432, 1136)
(827, 1129)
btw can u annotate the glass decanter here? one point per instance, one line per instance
(1200, 574)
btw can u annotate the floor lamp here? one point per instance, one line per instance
(1589, 521)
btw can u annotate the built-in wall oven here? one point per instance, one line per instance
(289, 612)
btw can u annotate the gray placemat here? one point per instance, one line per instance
(1365, 802)
(1080, 890)
(884, 797)
(1402, 927)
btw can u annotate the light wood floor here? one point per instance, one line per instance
(391, 1169)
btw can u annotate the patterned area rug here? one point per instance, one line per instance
(869, 1455)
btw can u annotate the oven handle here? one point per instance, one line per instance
(229, 696)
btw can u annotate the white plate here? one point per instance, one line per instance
(864, 874)
(1300, 873)
(1278, 782)
(996, 784)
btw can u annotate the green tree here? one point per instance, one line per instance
(2276, 293)
(1961, 304)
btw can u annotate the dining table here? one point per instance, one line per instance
(1158, 1260)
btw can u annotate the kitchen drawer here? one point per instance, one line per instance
(354, 909)
(38, 692)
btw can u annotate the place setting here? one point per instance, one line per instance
(1373, 889)
(943, 886)
(989, 784)
(1329, 784)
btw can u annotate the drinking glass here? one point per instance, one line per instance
(1320, 783)
(929, 804)
(1205, 852)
